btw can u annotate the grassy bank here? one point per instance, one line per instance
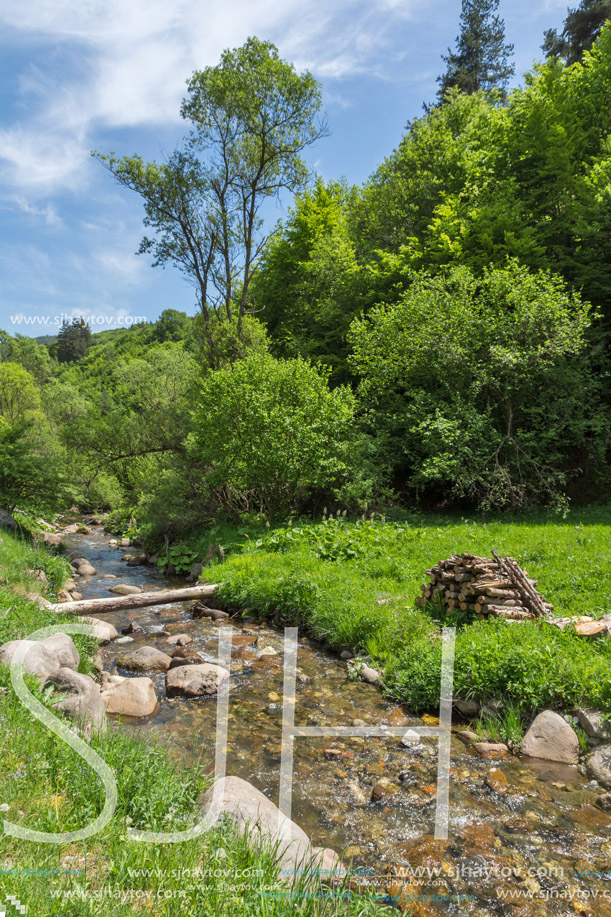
(329, 578)
(48, 787)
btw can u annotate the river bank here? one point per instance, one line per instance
(504, 812)
(48, 787)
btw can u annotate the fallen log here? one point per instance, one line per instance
(140, 600)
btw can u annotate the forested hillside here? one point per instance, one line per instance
(438, 337)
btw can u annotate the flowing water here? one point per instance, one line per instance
(543, 848)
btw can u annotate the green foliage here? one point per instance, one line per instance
(34, 357)
(73, 341)
(507, 726)
(310, 285)
(179, 557)
(30, 479)
(271, 435)
(19, 396)
(252, 115)
(582, 27)
(481, 60)
(21, 558)
(361, 599)
(468, 383)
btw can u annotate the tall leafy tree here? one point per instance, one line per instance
(251, 116)
(482, 58)
(582, 26)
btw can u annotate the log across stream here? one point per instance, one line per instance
(139, 600)
(545, 821)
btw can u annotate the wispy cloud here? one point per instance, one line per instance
(124, 65)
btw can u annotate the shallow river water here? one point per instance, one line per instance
(543, 848)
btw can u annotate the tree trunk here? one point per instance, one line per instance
(140, 600)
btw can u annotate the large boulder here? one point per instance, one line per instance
(124, 589)
(195, 680)
(145, 659)
(51, 538)
(83, 699)
(594, 723)
(550, 737)
(39, 660)
(44, 657)
(86, 570)
(251, 811)
(63, 648)
(129, 696)
(104, 632)
(599, 766)
(6, 520)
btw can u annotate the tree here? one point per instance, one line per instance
(582, 27)
(482, 59)
(73, 340)
(252, 116)
(310, 286)
(479, 389)
(19, 396)
(172, 325)
(28, 352)
(271, 435)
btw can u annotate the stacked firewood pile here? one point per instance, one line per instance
(494, 586)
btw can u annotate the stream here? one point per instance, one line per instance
(543, 848)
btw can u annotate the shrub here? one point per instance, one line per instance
(271, 434)
(478, 388)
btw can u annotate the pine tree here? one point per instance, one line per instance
(482, 59)
(73, 340)
(582, 27)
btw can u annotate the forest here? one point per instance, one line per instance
(435, 339)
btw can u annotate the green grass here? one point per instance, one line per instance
(329, 577)
(48, 787)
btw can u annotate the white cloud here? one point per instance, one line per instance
(125, 64)
(48, 212)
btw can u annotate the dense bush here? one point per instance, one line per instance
(478, 387)
(271, 434)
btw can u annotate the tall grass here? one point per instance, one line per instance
(334, 578)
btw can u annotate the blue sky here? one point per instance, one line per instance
(77, 75)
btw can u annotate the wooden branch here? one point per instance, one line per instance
(139, 600)
(531, 597)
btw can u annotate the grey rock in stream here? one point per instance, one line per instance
(551, 738)
(594, 723)
(129, 696)
(369, 675)
(195, 680)
(82, 701)
(250, 810)
(145, 659)
(124, 589)
(104, 631)
(599, 766)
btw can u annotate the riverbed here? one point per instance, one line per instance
(523, 853)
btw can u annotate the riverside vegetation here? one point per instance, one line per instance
(399, 371)
(47, 787)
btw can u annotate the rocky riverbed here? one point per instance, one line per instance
(525, 836)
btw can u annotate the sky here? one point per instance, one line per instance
(106, 75)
